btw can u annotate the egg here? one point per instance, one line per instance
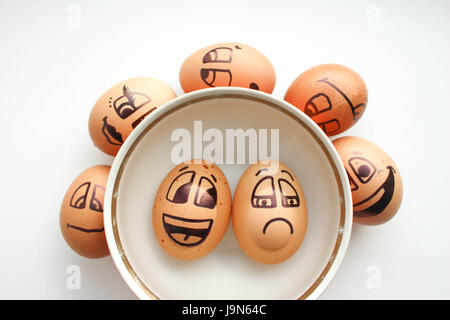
(332, 95)
(374, 179)
(192, 210)
(81, 215)
(121, 108)
(269, 213)
(228, 64)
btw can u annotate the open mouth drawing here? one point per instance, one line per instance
(186, 232)
(83, 229)
(383, 196)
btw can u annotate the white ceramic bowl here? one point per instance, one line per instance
(227, 272)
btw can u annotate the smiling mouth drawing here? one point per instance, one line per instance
(278, 219)
(83, 229)
(388, 192)
(186, 232)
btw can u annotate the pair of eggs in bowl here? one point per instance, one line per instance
(193, 207)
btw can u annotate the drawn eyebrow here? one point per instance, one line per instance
(184, 168)
(215, 180)
(263, 169)
(287, 172)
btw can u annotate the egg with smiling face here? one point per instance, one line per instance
(269, 213)
(192, 209)
(121, 108)
(374, 179)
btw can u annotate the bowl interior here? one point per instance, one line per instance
(227, 272)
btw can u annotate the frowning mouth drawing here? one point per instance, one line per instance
(186, 232)
(278, 219)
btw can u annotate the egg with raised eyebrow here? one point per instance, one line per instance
(192, 210)
(269, 213)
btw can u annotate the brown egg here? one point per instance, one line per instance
(334, 96)
(120, 109)
(81, 216)
(374, 180)
(269, 213)
(192, 209)
(228, 64)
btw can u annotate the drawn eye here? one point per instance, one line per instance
(216, 77)
(180, 187)
(221, 54)
(363, 169)
(317, 104)
(263, 195)
(289, 196)
(125, 110)
(98, 195)
(78, 199)
(206, 195)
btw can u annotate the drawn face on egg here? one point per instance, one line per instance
(192, 210)
(227, 65)
(269, 213)
(332, 95)
(320, 107)
(120, 110)
(374, 180)
(216, 69)
(81, 215)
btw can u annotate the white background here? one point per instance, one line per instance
(58, 57)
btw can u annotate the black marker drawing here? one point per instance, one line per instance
(278, 219)
(217, 55)
(139, 120)
(199, 228)
(126, 105)
(363, 169)
(378, 207)
(318, 104)
(208, 198)
(84, 229)
(330, 126)
(111, 134)
(180, 187)
(79, 196)
(289, 196)
(353, 185)
(96, 200)
(254, 86)
(260, 198)
(356, 110)
(209, 76)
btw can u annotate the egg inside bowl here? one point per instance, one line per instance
(153, 149)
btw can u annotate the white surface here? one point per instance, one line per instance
(234, 274)
(58, 57)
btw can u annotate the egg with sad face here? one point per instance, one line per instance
(192, 209)
(269, 212)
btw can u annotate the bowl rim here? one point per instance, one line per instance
(116, 249)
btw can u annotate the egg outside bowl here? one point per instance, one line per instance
(227, 272)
